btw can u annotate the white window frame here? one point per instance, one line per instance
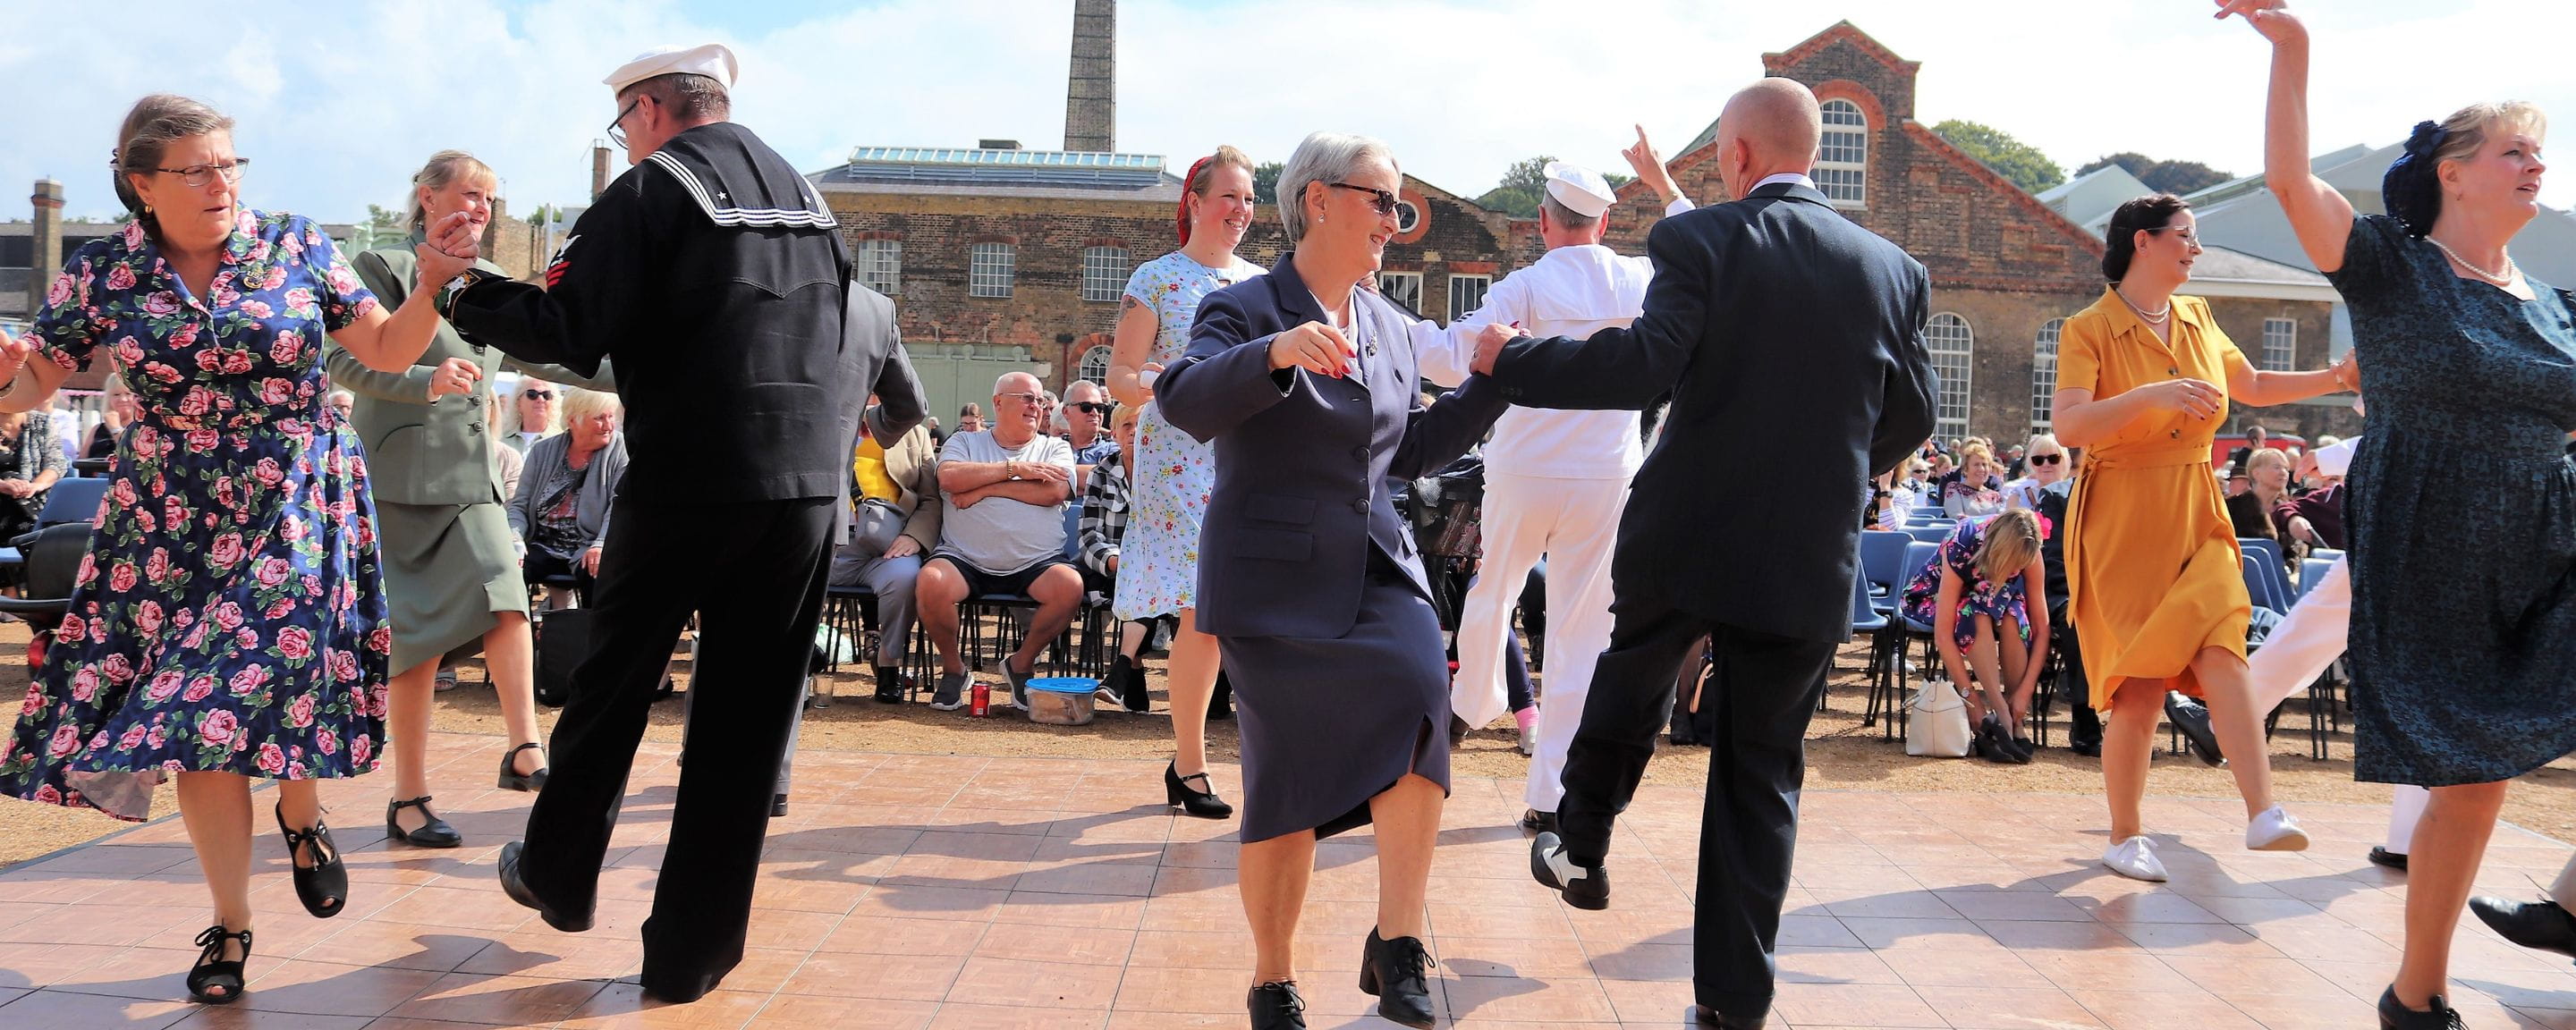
(2043, 377)
(1104, 273)
(1953, 343)
(1095, 365)
(1404, 288)
(2280, 344)
(1842, 159)
(989, 270)
(1458, 287)
(879, 264)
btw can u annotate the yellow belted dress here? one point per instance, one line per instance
(2153, 571)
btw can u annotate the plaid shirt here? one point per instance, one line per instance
(1104, 515)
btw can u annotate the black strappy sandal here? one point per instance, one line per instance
(213, 971)
(510, 778)
(434, 832)
(324, 885)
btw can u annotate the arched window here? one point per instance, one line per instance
(2043, 376)
(1842, 160)
(1095, 365)
(1953, 347)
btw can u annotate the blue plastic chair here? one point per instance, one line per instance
(1928, 534)
(2311, 572)
(2275, 571)
(73, 500)
(2259, 586)
(1866, 618)
(1888, 698)
(1882, 560)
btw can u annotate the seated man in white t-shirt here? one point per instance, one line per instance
(1002, 494)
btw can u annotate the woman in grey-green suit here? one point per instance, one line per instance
(451, 570)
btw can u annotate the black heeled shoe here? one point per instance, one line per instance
(1204, 804)
(433, 833)
(1276, 1006)
(2394, 1015)
(1398, 973)
(510, 778)
(213, 970)
(323, 887)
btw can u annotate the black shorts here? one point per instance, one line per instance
(1007, 584)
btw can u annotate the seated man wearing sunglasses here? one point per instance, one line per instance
(1086, 421)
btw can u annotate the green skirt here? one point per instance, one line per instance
(448, 569)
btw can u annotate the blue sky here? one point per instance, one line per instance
(339, 103)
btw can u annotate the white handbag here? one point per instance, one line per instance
(1936, 721)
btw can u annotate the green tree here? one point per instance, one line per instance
(382, 228)
(1519, 192)
(1265, 182)
(2162, 176)
(2016, 161)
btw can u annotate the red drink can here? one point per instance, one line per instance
(983, 700)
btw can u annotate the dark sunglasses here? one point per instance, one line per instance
(2046, 459)
(1382, 201)
(1091, 408)
(543, 395)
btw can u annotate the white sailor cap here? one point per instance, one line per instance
(712, 60)
(1581, 190)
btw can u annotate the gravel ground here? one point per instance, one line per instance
(1841, 754)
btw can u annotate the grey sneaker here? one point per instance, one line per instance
(1019, 686)
(951, 694)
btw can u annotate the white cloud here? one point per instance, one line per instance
(339, 103)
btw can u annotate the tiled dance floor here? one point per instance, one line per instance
(908, 891)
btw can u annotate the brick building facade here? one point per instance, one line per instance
(2005, 267)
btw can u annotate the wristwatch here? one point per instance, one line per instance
(1011, 469)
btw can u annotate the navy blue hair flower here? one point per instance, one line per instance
(2411, 190)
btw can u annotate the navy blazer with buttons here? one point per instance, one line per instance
(1302, 460)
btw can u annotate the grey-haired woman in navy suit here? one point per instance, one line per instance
(1303, 383)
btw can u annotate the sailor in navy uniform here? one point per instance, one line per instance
(714, 276)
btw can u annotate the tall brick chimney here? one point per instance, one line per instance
(598, 170)
(48, 239)
(1091, 90)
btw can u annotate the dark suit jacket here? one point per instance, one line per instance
(1778, 324)
(872, 353)
(1302, 460)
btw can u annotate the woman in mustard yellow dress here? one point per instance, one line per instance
(2152, 566)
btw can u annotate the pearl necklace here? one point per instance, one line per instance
(2156, 317)
(2504, 279)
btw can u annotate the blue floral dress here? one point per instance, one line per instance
(230, 616)
(1998, 601)
(1158, 562)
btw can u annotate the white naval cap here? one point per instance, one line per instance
(1581, 190)
(712, 60)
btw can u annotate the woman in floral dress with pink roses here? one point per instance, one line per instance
(229, 621)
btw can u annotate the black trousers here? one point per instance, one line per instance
(754, 573)
(1761, 696)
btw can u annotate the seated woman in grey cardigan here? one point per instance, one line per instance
(1303, 382)
(560, 512)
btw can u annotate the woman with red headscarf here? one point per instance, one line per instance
(1158, 570)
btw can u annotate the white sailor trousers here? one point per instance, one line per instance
(1574, 523)
(2298, 651)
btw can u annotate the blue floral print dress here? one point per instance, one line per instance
(1998, 601)
(230, 616)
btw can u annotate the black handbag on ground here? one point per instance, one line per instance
(563, 642)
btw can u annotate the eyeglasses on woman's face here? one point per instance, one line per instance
(197, 176)
(537, 395)
(1380, 201)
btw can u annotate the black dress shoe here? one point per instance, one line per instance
(2540, 925)
(777, 806)
(510, 778)
(1127, 676)
(520, 892)
(1276, 1006)
(2192, 718)
(1706, 1016)
(891, 689)
(1537, 821)
(2087, 748)
(1582, 887)
(1398, 973)
(2394, 1015)
(434, 831)
(2383, 857)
